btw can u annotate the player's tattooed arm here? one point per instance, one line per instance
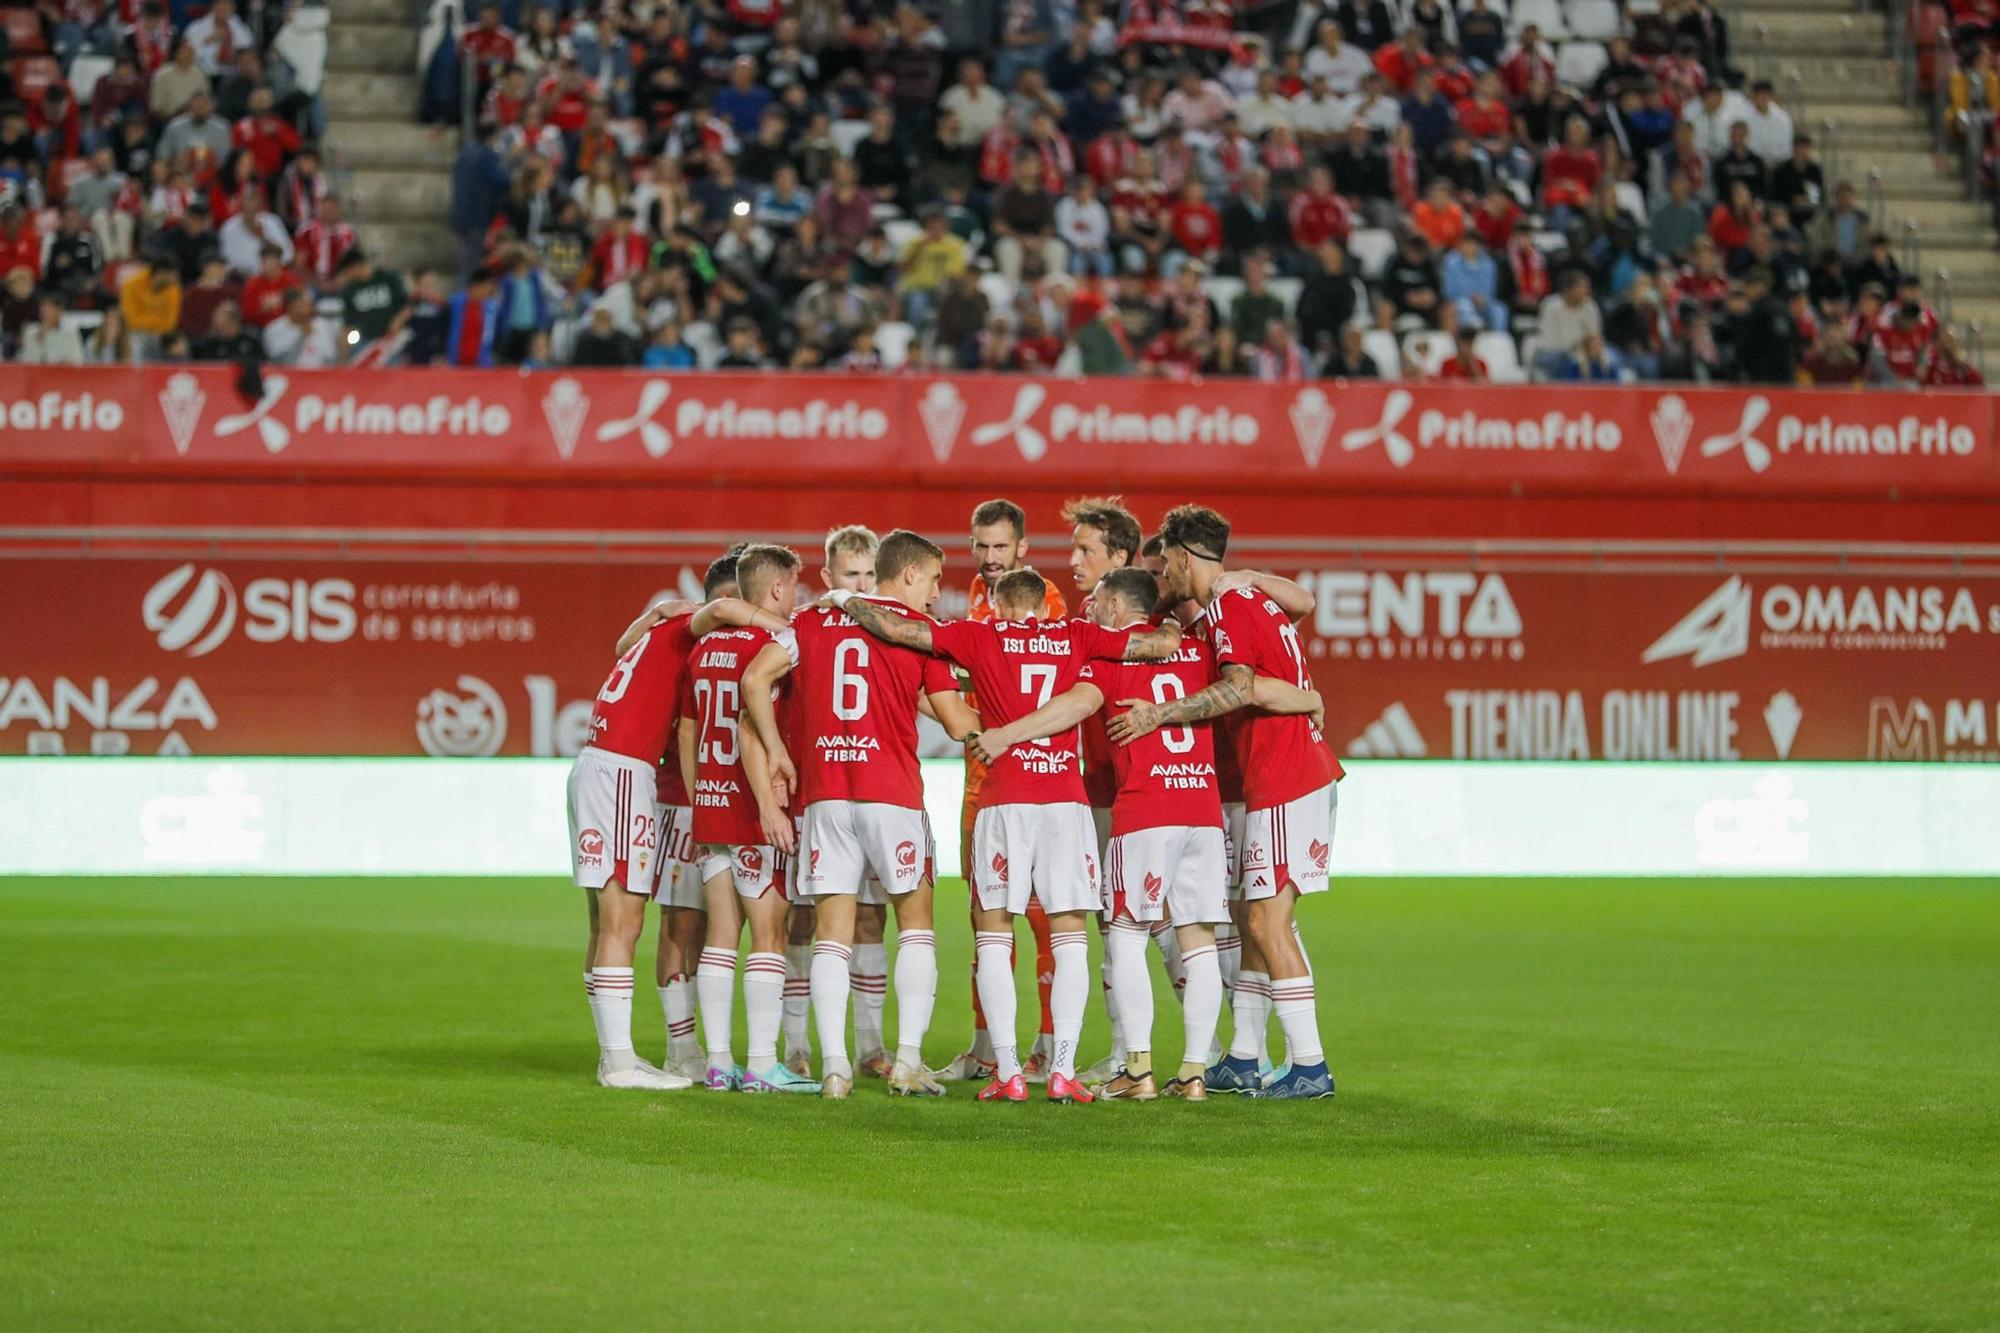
(1225, 696)
(888, 626)
(684, 755)
(1291, 597)
(951, 712)
(1276, 696)
(650, 617)
(734, 613)
(1059, 714)
(771, 664)
(1149, 645)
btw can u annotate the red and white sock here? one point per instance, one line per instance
(829, 1004)
(611, 1006)
(868, 974)
(916, 993)
(677, 1000)
(1201, 1001)
(1251, 1008)
(1068, 994)
(1298, 1015)
(798, 997)
(1168, 940)
(994, 952)
(1110, 987)
(715, 986)
(763, 1007)
(1131, 985)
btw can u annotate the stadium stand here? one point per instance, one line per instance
(1582, 190)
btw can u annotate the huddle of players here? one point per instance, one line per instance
(1182, 693)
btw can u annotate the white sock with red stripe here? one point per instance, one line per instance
(916, 993)
(1131, 986)
(993, 951)
(1299, 938)
(715, 985)
(1109, 982)
(1298, 1015)
(763, 1007)
(798, 997)
(1068, 995)
(829, 1002)
(868, 973)
(1168, 941)
(1228, 955)
(611, 1006)
(1251, 1008)
(1201, 1002)
(677, 999)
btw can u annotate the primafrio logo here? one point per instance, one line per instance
(1098, 423)
(1762, 432)
(1468, 429)
(468, 724)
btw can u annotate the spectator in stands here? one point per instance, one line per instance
(110, 344)
(49, 341)
(298, 339)
(1349, 359)
(473, 322)
(214, 286)
(1593, 362)
(1798, 183)
(198, 127)
(1833, 360)
(151, 301)
(1770, 125)
(1369, 24)
(1024, 222)
(1947, 367)
(1565, 320)
(72, 259)
(1877, 268)
(1327, 299)
(1464, 365)
(1470, 279)
(174, 86)
(1411, 287)
(1841, 228)
(1676, 221)
(602, 343)
(246, 234)
(479, 190)
(744, 349)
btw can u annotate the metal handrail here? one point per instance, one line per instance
(1829, 133)
(1912, 258)
(1945, 302)
(1796, 83)
(1877, 197)
(1975, 346)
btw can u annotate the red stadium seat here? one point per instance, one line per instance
(24, 31)
(32, 74)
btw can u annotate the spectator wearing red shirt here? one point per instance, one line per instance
(1570, 170)
(1195, 224)
(20, 243)
(322, 243)
(269, 139)
(1036, 350)
(1486, 115)
(1496, 217)
(1400, 61)
(568, 97)
(1439, 216)
(265, 294)
(1319, 215)
(1904, 333)
(1110, 156)
(1464, 365)
(1948, 368)
(488, 44)
(620, 252)
(1729, 222)
(507, 99)
(1528, 61)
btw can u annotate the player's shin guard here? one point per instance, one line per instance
(868, 973)
(715, 985)
(798, 995)
(611, 1006)
(1201, 1001)
(1068, 995)
(1131, 985)
(763, 1007)
(677, 999)
(994, 954)
(1045, 966)
(1228, 955)
(829, 1002)
(1168, 941)
(916, 993)
(1298, 1015)
(1251, 1011)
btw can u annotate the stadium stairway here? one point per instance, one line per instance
(398, 170)
(1830, 62)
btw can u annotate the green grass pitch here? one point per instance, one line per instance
(361, 1104)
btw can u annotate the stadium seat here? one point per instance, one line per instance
(999, 294)
(1550, 242)
(1502, 358)
(1544, 14)
(892, 341)
(1595, 19)
(847, 133)
(900, 231)
(1372, 248)
(84, 72)
(1381, 345)
(1579, 63)
(24, 31)
(1428, 350)
(33, 74)
(1643, 7)
(1223, 291)
(1287, 291)
(1631, 201)
(701, 339)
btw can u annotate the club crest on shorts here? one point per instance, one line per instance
(1253, 856)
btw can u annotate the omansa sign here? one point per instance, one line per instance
(1096, 433)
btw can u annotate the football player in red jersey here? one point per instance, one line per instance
(858, 778)
(743, 877)
(1289, 789)
(1033, 835)
(614, 818)
(1165, 860)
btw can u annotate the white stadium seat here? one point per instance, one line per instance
(1223, 291)
(999, 294)
(1381, 344)
(1579, 63)
(900, 232)
(1428, 350)
(1544, 14)
(892, 342)
(847, 133)
(1596, 19)
(1371, 248)
(1287, 291)
(1503, 360)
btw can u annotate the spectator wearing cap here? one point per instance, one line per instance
(245, 235)
(150, 299)
(175, 84)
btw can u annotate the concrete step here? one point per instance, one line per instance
(1785, 29)
(409, 246)
(1750, 13)
(414, 195)
(1984, 313)
(355, 47)
(1936, 215)
(380, 11)
(372, 95)
(393, 144)
(1858, 108)
(1818, 73)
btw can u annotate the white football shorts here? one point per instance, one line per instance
(1047, 851)
(1289, 844)
(754, 869)
(1100, 819)
(677, 882)
(843, 843)
(1232, 845)
(614, 823)
(1176, 873)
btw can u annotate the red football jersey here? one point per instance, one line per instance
(1166, 779)
(725, 809)
(1017, 666)
(1281, 757)
(856, 708)
(634, 713)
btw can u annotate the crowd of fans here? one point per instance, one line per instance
(1168, 187)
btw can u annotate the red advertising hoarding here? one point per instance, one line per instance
(1009, 431)
(447, 656)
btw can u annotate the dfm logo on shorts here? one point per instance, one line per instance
(590, 847)
(906, 859)
(192, 610)
(750, 860)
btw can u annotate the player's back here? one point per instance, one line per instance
(1016, 667)
(1168, 777)
(725, 809)
(634, 712)
(1281, 756)
(856, 707)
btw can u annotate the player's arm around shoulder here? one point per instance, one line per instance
(1143, 717)
(772, 664)
(1291, 597)
(884, 623)
(651, 616)
(1277, 696)
(733, 613)
(1155, 643)
(1058, 715)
